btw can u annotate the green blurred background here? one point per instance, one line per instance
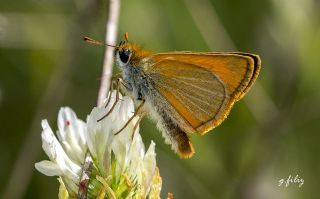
(271, 134)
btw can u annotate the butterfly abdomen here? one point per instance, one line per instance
(184, 146)
(164, 115)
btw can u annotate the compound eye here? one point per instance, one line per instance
(124, 55)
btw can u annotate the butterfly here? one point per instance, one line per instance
(185, 92)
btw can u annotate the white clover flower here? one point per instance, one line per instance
(121, 167)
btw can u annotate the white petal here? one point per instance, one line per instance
(149, 165)
(123, 140)
(90, 134)
(126, 109)
(94, 131)
(48, 168)
(120, 151)
(68, 121)
(137, 148)
(66, 117)
(99, 137)
(115, 113)
(48, 140)
(71, 134)
(82, 128)
(56, 154)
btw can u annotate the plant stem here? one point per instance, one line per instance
(110, 38)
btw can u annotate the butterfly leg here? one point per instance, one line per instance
(131, 118)
(118, 81)
(110, 89)
(113, 80)
(137, 123)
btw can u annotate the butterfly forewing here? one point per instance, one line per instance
(202, 87)
(196, 93)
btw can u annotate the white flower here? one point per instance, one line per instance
(66, 153)
(121, 168)
(125, 151)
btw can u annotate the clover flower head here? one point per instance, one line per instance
(121, 166)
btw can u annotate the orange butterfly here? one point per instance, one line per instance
(185, 92)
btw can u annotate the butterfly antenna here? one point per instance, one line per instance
(96, 42)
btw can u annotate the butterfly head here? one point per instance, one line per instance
(128, 53)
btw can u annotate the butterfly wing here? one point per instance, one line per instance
(202, 87)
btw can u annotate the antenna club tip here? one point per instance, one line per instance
(92, 41)
(95, 42)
